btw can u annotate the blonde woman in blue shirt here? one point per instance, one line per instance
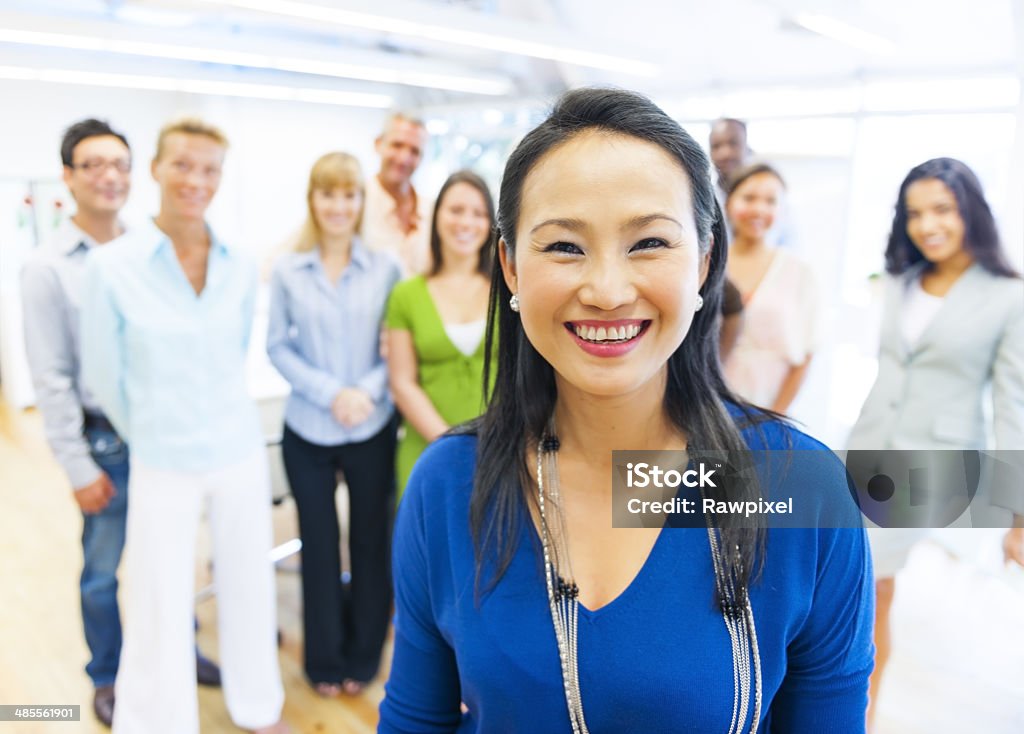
(326, 308)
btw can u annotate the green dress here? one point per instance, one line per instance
(452, 381)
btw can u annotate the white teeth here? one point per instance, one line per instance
(611, 333)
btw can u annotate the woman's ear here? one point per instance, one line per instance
(508, 265)
(705, 264)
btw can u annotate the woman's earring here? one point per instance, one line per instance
(513, 302)
(700, 303)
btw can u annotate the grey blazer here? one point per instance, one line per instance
(931, 396)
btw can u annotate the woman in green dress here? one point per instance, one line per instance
(436, 322)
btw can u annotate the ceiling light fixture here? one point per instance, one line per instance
(198, 86)
(965, 93)
(487, 41)
(432, 80)
(845, 33)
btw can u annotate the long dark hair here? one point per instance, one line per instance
(981, 237)
(466, 177)
(524, 392)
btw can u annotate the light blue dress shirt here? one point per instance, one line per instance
(167, 365)
(325, 336)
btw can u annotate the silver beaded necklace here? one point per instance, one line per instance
(563, 602)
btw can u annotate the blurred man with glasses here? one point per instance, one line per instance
(97, 171)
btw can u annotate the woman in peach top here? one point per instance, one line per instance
(771, 357)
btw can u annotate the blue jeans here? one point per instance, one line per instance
(102, 543)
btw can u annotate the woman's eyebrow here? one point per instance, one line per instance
(577, 225)
(643, 221)
(574, 225)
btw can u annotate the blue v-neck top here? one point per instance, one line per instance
(655, 659)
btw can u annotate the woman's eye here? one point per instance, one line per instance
(651, 243)
(563, 247)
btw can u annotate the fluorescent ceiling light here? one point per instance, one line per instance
(767, 103)
(198, 86)
(805, 138)
(493, 116)
(459, 36)
(942, 94)
(851, 35)
(452, 82)
(153, 17)
(693, 107)
(437, 126)
(791, 102)
(921, 95)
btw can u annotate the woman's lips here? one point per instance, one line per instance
(608, 338)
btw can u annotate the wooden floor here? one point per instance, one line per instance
(42, 650)
(957, 666)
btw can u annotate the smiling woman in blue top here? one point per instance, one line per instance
(612, 255)
(327, 304)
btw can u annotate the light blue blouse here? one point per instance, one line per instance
(167, 365)
(325, 336)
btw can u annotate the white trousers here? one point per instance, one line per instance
(156, 681)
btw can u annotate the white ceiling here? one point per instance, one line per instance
(754, 41)
(691, 45)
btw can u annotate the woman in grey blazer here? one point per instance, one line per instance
(953, 325)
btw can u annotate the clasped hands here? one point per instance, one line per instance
(351, 406)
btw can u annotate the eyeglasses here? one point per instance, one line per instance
(98, 166)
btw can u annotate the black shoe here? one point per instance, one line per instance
(103, 704)
(207, 672)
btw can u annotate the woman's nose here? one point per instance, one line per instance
(608, 285)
